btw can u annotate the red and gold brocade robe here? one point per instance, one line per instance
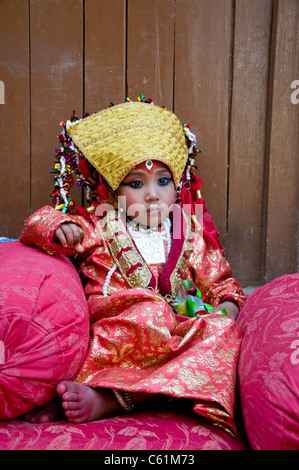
(137, 342)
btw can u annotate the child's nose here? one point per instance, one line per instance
(152, 194)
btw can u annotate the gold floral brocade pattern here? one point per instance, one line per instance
(179, 271)
(147, 348)
(137, 341)
(124, 253)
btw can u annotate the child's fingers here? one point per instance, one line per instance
(73, 235)
(70, 236)
(60, 236)
(79, 248)
(77, 235)
(78, 239)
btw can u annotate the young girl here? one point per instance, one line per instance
(133, 255)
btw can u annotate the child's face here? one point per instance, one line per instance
(148, 193)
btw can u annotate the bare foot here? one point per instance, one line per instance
(43, 414)
(82, 404)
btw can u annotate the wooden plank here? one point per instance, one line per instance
(202, 91)
(105, 53)
(56, 83)
(14, 117)
(150, 49)
(252, 37)
(282, 232)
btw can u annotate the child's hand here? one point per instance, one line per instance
(70, 236)
(231, 308)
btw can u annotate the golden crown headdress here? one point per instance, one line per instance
(108, 144)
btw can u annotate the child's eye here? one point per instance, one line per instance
(134, 184)
(164, 181)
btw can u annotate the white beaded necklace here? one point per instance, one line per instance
(147, 233)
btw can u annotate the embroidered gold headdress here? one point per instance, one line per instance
(118, 138)
(99, 150)
(108, 144)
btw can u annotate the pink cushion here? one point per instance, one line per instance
(150, 430)
(44, 326)
(269, 365)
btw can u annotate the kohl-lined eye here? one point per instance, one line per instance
(133, 184)
(164, 181)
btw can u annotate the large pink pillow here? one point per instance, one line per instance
(158, 429)
(44, 326)
(269, 365)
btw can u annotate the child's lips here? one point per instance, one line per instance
(153, 209)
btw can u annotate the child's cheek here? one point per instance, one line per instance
(126, 198)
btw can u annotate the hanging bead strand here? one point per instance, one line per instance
(167, 226)
(107, 280)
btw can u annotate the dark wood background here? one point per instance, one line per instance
(225, 66)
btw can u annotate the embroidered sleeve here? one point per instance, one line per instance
(39, 230)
